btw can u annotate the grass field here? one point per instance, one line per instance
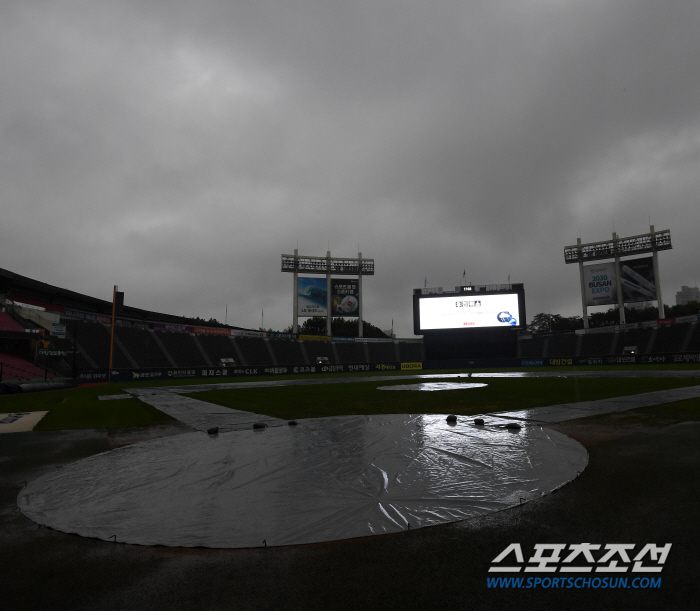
(637, 488)
(80, 408)
(363, 398)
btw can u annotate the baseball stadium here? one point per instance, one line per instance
(151, 459)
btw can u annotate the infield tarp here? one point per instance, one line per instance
(323, 480)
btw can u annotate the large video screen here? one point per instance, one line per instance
(466, 311)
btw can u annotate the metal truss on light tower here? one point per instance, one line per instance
(337, 266)
(615, 248)
(620, 247)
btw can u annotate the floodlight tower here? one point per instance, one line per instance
(617, 247)
(337, 266)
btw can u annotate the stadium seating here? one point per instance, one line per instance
(410, 352)
(381, 352)
(141, 346)
(634, 337)
(7, 323)
(532, 348)
(322, 349)
(218, 347)
(562, 345)
(93, 337)
(255, 350)
(669, 338)
(288, 352)
(596, 344)
(694, 344)
(351, 353)
(66, 344)
(17, 368)
(182, 348)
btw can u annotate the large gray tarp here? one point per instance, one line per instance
(325, 479)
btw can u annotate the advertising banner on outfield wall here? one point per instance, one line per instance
(636, 280)
(312, 296)
(345, 297)
(122, 375)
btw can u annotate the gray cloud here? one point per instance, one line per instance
(177, 149)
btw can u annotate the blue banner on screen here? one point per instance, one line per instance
(312, 295)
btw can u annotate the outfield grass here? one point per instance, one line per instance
(296, 402)
(80, 408)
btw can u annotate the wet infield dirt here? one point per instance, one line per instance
(639, 487)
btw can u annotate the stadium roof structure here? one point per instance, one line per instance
(27, 290)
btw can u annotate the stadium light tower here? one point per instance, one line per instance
(634, 280)
(326, 266)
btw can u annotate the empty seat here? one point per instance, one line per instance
(16, 368)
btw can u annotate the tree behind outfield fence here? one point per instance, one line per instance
(556, 323)
(340, 327)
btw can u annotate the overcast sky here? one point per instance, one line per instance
(177, 149)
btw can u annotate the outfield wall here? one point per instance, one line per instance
(130, 375)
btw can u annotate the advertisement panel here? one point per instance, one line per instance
(636, 281)
(469, 311)
(345, 297)
(600, 282)
(160, 326)
(58, 330)
(106, 320)
(312, 296)
(230, 372)
(212, 330)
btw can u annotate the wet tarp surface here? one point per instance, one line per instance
(325, 479)
(433, 386)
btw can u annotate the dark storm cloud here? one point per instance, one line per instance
(179, 148)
